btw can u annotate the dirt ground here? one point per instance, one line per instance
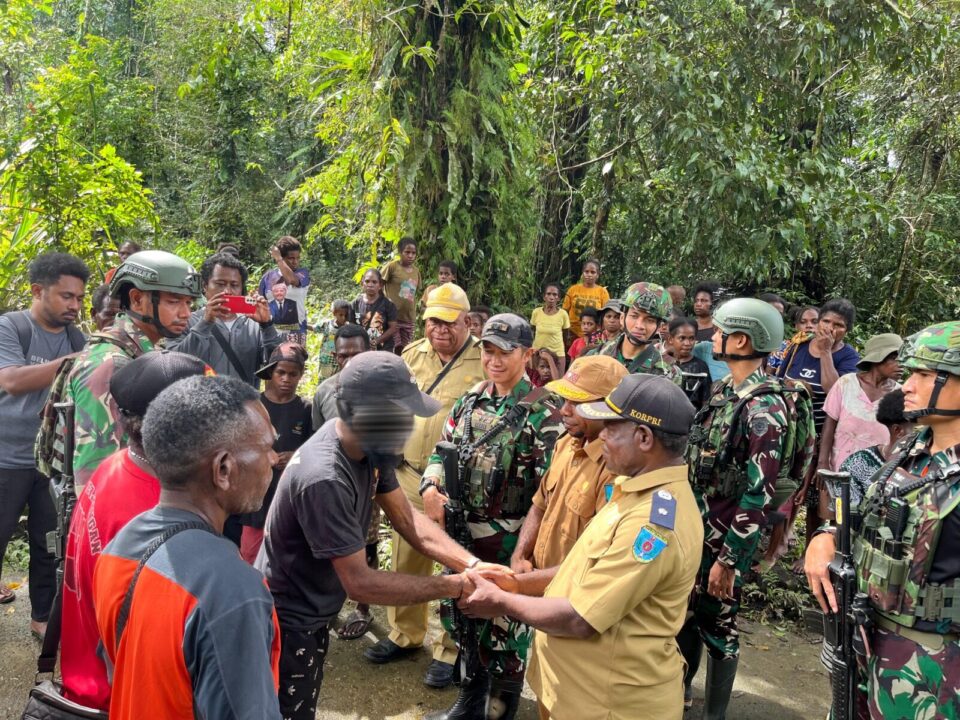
(779, 677)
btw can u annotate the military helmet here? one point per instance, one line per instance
(156, 270)
(757, 319)
(653, 299)
(934, 348)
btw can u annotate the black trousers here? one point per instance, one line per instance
(302, 655)
(18, 489)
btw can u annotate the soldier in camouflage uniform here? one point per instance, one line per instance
(518, 426)
(156, 290)
(912, 576)
(740, 444)
(645, 306)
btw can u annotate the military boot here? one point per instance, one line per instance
(719, 687)
(691, 648)
(504, 699)
(471, 701)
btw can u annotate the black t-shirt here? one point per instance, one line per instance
(321, 511)
(696, 381)
(293, 422)
(704, 334)
(375, 317)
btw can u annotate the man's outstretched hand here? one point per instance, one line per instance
(486, 599)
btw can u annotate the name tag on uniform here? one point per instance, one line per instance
(664, 510)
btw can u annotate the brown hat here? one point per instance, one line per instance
(446, 302)
(589, 378)
(289, 352)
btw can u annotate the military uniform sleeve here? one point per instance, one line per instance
(97, 429)
(547, 426)
(764, 425)
(613, 580)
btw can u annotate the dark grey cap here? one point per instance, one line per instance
(135, 385)
(651, 400)
(378, 376)
(612, 304)
(508, 332)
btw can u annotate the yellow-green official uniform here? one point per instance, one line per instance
(408, 624)
(629, 576)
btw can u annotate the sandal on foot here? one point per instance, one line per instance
(6, 595)
(355, 626)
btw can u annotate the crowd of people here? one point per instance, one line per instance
(597, 481)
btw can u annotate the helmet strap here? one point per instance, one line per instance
(155, 320)
(931, 409)
(635, 341)
(724, 355)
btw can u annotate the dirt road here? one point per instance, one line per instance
(779, 677)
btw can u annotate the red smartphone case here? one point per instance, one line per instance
(239, 304)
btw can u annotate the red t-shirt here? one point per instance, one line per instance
(117, 492)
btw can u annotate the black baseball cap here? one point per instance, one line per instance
(651, 400)
(375, 376)
(289, 352)
(136, 384)
(508, 332)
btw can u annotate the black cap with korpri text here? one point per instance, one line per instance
(650, 400)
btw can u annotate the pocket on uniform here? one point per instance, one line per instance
(886, 581)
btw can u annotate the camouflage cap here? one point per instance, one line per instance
(934, 348)
(653, 299)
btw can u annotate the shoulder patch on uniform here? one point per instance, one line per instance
(647, 545)
(664, 509)
(759, 426)
(608, 491)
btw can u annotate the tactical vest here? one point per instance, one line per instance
(900, 523)
(712, 443)
(494, 482)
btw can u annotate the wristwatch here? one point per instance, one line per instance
(428, 482)
(474, 561)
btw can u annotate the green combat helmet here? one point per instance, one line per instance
(934, 348)
(653, 299)
(154, 271)
(757, 319)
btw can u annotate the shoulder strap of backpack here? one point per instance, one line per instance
(77, 338)
(24, 328)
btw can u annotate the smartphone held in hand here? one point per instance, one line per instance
(239, 304)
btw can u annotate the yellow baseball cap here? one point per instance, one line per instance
(589, 378)
(446, 302)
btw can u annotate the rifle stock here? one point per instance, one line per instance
(63, 491)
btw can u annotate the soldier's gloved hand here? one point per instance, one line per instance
(433, 503)
(720, 582)
(820, 552)
(520, 565)
(483, 602)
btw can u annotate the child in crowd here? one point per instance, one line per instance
(475, 321)
(544, 367)
(585, 294)
(342, 314)
(290, 416)
(696, 375)
(551, 323)
(484, 313)
(375, 313)
(401, 279)
(446, 272)
(610, 320)
(590, 327)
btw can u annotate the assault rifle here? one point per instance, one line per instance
(64, 492)
(455, 522)
(844, 632)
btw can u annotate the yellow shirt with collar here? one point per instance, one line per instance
(569, 495)
(629, 577)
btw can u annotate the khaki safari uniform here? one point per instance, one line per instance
(408, 624)
(570, 495)
(629, 576)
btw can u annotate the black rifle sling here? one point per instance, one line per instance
(449, 366)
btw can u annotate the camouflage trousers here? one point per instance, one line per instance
(909, 681)
(502, 643)
(716, 619)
